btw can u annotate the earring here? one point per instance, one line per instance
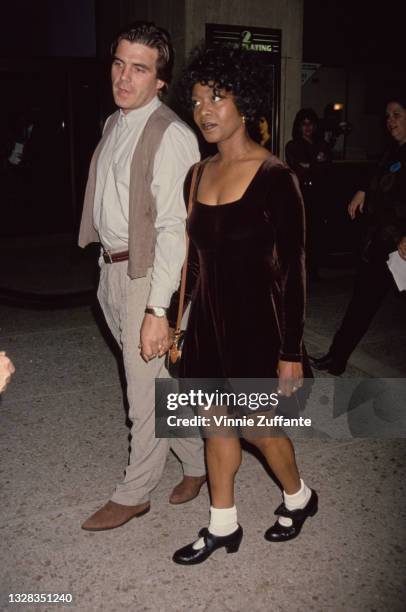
(243, 119)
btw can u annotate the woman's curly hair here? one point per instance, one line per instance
(234, 70)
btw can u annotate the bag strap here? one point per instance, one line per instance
(184, 269)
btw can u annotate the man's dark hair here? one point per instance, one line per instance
(302, 115)
(233, 70)
(148, 34)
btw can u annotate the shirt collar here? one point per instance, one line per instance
(134, 117)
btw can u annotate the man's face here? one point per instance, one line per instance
(396, 121)
(133, 75)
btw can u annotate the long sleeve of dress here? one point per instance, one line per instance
(288, 218)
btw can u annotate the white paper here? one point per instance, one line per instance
(397, 266)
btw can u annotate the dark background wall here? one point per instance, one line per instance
(54, 63)
(48, 28)
(50, 79)
(337, 32)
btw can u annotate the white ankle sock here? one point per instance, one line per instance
(223, 522)
(295, 501)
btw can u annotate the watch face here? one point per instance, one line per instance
(157, 311)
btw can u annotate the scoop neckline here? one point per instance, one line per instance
(234, 202)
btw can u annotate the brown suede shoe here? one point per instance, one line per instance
(114, 515)
(187, 490)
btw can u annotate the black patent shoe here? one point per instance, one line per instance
(328, 363)
(279, 533)
(190, 556)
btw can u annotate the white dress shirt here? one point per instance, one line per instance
(177, 152)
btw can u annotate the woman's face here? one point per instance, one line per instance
(215, 113)
(263, 127)
(307, 129)
(396, 121)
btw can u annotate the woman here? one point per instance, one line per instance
(246, 260)
(264, 132)
(384, 202)
(308, 155)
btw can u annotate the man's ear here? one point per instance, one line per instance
(160, 84)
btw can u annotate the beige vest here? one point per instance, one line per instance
(142, 210)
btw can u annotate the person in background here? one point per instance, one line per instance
(308, 155)
(6, 370)
(383, 202)
(332, 125)
(265, 134)
(134, 207)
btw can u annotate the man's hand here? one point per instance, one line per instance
(402, 248)
(6, 370)
(171, 337)
(357, 203)
(154, 337)
(290, 377)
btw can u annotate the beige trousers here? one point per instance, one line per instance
(123, 302)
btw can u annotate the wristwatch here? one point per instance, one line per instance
(157, 311)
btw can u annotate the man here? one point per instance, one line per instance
(134, 206)
(384, 202)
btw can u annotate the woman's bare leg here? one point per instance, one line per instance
(223, 456)
(280, 456)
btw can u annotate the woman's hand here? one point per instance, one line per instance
(290, 377)
(402, 248)
(357, 203)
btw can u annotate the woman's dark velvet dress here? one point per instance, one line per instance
(246, 280)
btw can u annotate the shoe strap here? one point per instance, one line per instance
(295, 515)
(205, 534)
(211, 538)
